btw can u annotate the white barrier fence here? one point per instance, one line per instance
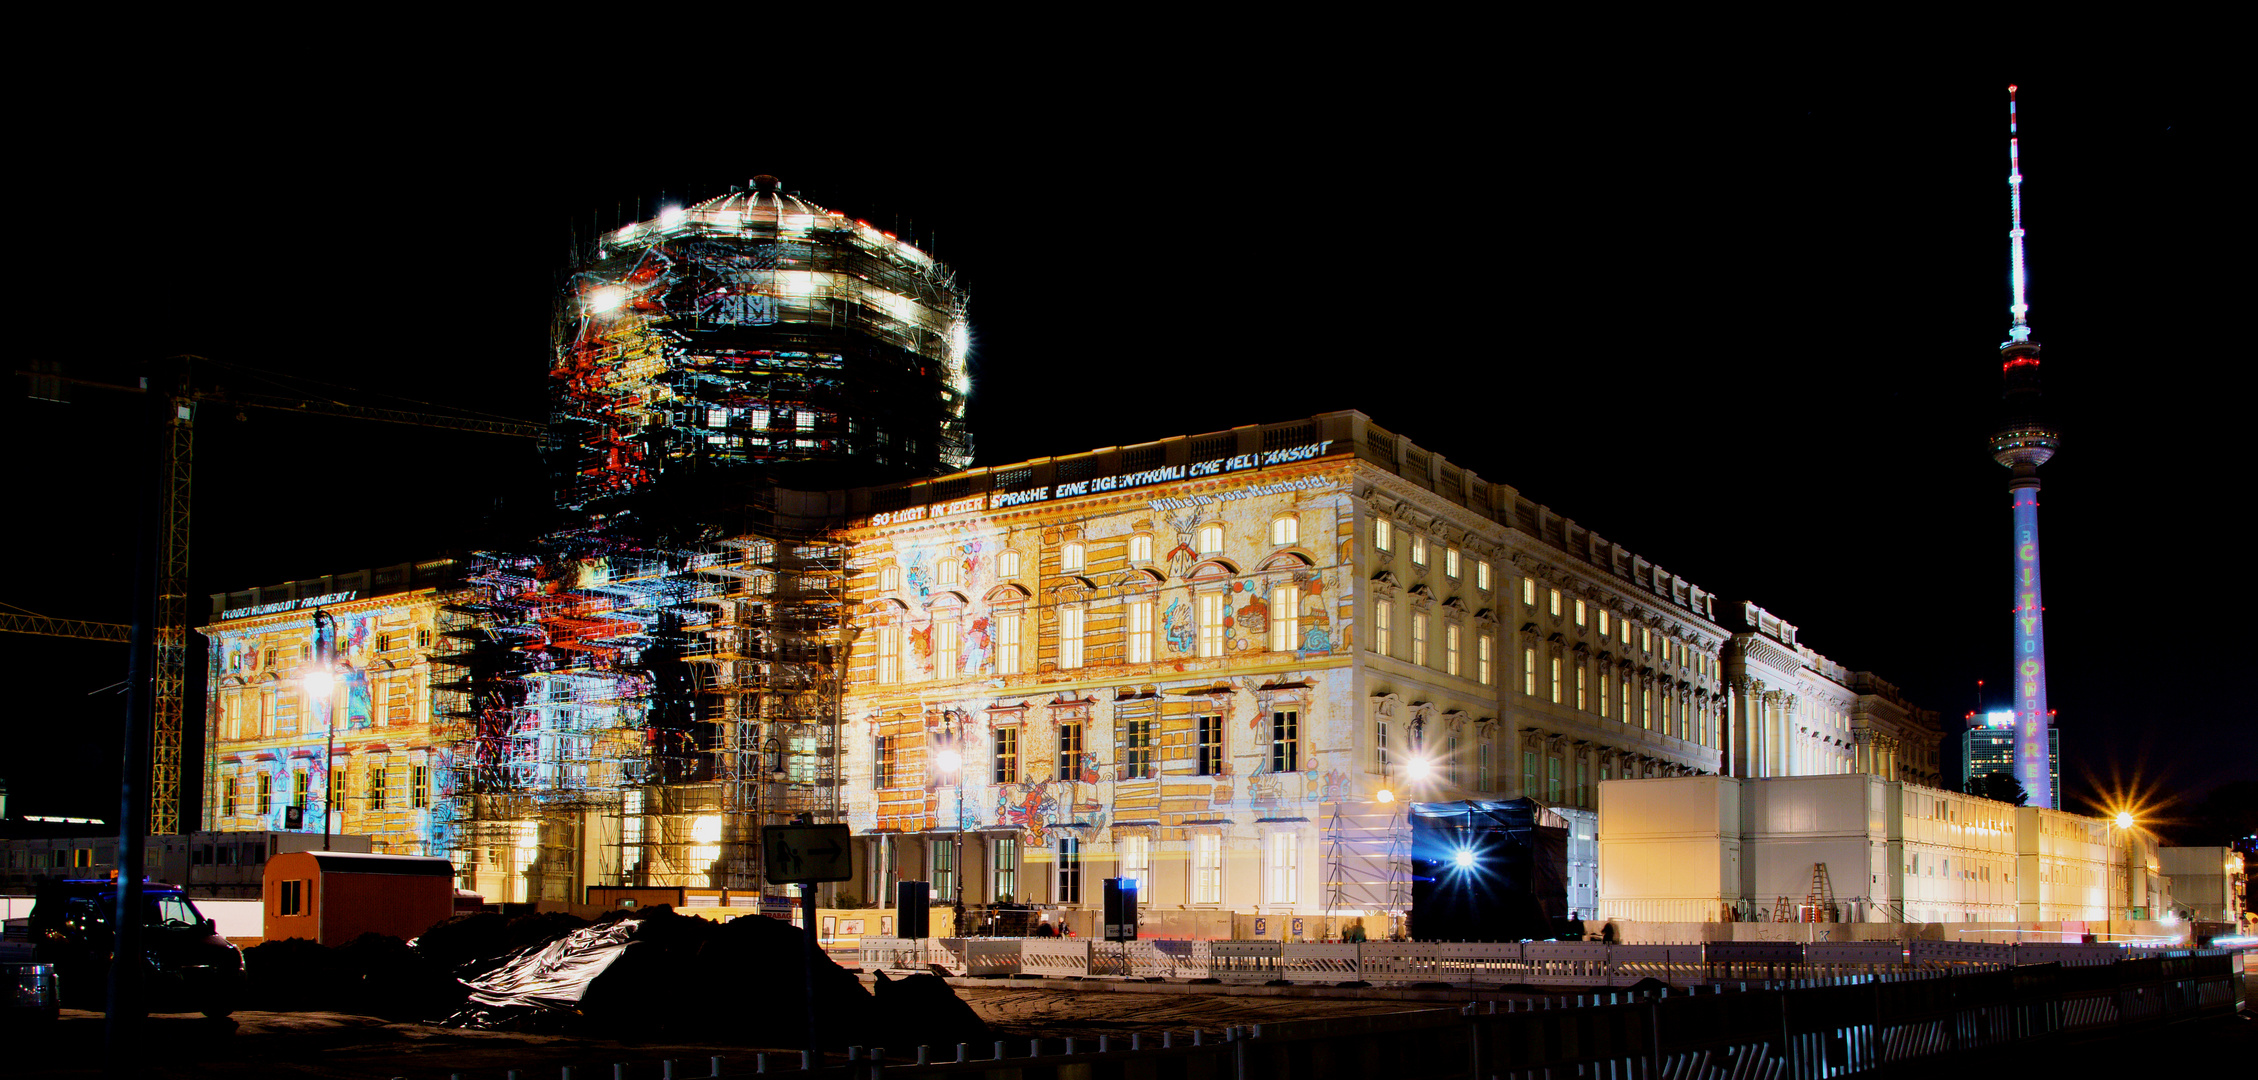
(1451, 963)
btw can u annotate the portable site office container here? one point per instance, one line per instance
(332, 897)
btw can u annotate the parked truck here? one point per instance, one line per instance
(188, 965)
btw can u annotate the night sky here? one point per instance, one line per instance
(1749, 334)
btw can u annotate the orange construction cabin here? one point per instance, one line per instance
(333, 897)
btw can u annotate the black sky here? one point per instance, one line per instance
(1749, 334)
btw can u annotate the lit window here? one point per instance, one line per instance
(1482, 575)
(1137, 862)
(1556, 680)
(947, 570)
(1579, 686)
(1380, 745)
(1285, 529)
(1285, 741)
(265, 805)
(1007, 564)
(1284, 853)
(1418, 550)
(1579, 613)
(1210, 748)
(1552, 779)
(1070, 636)
(1006, 624)
(1554, 602)
(1007, 868)
(1419, 638)
(1450, 563)
(889, 578)
(419, 787)
(1007, 755)
(882, 762)
(1603, 680)
(375, 799)
(1482, 659)
(1285, 617)
(1211, 607)
(1623, 627)
(1141, 548)
(1646, 640)
(1529, 672)
(1069, 870)
(1604, 630)
(227, 796)
(805, 421)
(760, 419)
(1646, 707)
(1141, 631)
(1211, 540)
(944, 869)
(1137, 748)
(1383, 628)
(1383, 534)
(1070, 558)
(301, 788)
(1450, 649)
(946, 645)
(1207, 868)
(1529, 591)
(889, 653)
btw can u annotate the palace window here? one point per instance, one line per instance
(1380, 745)
(1006, 625)
(1070, 636)
(1529, 671)
(1418, 550)
(419, 787)
(1007, 565)
(1141, 548)
(301, 788)
(1482, 776)
(1211, 539)
(1579, 613)
(1552, 779)
(1603, 628)
(1137, 862)
(1285, 617)
(1069, 870)
(947, 569)
(375, 799)
(944, 869)
(1207, 868)
(1450, 648)
(1553, 602)
(1141, 630)
(1070, 558)
(1451, 763)
(266, 795)
(1580, 686)
(1528, 773)
(1210, 745)
(1285, 851)
(1450, 563)
(1007, 868)
(1555, 660)
(1383, 629)
(882, 762)
(1069, 751)
(1007, 755)
(1482, 659)
(1285, 741)
(1211, 606)
(1383, 534)
(1285, 529)
(1138, 752)
(889, 652)
(227, 795)
(947, 650)
(1419, 638)
(1482, 574)
(1583, 782)
(889, 578)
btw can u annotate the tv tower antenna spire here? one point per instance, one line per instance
(2024, 441)
(2021, 308)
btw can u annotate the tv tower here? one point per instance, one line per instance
(2024, 442)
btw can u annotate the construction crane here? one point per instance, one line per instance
(20, 621)
(169, 669)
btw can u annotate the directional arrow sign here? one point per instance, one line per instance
(804, 854)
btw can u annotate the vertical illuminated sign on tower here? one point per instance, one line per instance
(2025, 442)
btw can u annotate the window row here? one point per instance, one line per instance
(948, 571)
(1452, 658)
(1204, 876)
(382, 787)
(1138, 743)
(995, 643)
(1650, 642)
(1384, 539)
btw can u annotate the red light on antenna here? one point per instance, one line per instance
(2010, 88)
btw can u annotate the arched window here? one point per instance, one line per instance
(1211, 539)
(1285, 529)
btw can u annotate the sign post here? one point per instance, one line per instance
(805, 855)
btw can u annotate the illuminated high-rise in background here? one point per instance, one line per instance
(755, 329)
(2024, 442)
(1988, 746)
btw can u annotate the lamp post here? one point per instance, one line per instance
(2124, 824)
(951, 760)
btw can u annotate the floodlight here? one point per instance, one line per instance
(949, 760)
(1464, 858)
(2124, 819)
(606, 299)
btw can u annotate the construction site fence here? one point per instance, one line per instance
(1469, 963)
(1799, 1029)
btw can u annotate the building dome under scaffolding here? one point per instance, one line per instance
(759, 329)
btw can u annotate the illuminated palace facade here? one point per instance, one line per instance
(1222, 664)
(281, 726)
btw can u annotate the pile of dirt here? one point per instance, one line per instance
(656, 974)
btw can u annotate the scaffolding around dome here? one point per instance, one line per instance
(755, 329)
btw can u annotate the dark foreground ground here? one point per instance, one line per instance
(263, 1044)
